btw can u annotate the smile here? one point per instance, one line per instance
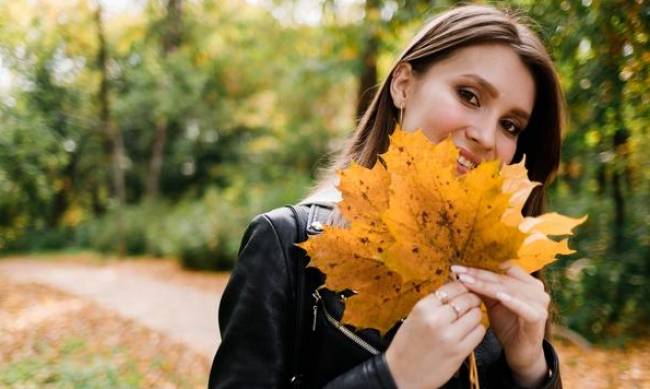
(466, 162)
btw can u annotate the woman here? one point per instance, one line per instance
(483, 78)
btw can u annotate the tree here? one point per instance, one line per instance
(171, 40)
(112, 133)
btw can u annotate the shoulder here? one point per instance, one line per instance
(290, 223)
(279, 224)
(269, 232)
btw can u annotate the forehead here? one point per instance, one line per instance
(497, 64)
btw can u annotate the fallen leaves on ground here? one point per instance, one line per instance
(50, 337)
(601, 368)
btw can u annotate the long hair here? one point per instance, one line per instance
(454, 29)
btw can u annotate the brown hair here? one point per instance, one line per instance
(454, 29)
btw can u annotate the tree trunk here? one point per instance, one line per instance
(173, 27)
(171, 40)
(112, 133)
(368, 75)
(155, 164)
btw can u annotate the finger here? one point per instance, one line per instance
(516, 271)
(448, 312)
(456, 308)
(449, 291)
(464, 302)
(484, 288)
(515, 277)
(488, 301)
(530, 313)
(466, 323)
(488, 291)
(473, 338)
(485, 275)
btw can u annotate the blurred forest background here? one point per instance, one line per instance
(161, 127)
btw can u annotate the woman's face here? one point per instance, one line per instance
(482, 96)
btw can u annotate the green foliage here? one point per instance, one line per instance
(599, 48)
(602, 290)
(202, 233)
(102, 233)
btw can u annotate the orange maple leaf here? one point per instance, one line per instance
(411, 219)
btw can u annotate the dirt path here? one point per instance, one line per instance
(171, 305)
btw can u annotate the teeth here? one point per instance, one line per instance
(466, 162)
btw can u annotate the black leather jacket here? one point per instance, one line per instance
(257, 320)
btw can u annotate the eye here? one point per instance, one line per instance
(511, 127)
(469, 96)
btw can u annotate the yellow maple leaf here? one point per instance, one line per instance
(411, 219)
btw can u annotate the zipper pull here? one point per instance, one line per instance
(317, 298)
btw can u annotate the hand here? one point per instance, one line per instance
(435, 338)
(517, 306)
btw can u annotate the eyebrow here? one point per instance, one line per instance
(495, 93)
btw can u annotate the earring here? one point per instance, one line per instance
(401, 116)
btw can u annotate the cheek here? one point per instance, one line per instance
(506, 149)
(442, 120)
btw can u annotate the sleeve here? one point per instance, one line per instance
(371, 374)
(253, 317)
(501, 375)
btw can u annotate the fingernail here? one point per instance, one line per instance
(458, 269)
(503, 296)
(466, 278)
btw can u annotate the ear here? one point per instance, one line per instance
(400, 82)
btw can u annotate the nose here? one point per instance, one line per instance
(483, 136)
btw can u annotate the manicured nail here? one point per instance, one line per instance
(458, 269)
(466, 278)
(503, 296)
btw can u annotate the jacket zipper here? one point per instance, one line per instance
(352, 336)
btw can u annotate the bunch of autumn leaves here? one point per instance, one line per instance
(412, 216)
